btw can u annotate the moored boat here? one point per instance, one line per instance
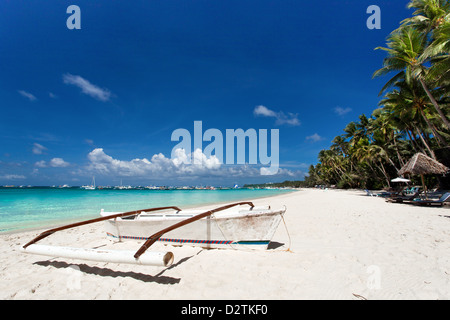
(91, 187)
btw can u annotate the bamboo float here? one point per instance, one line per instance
(160, 259)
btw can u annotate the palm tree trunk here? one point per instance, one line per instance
(435, 104)
(440, 138)
(393, 164)
(426, 144)
(433, 128)
(371, 167)
(416, 142)
(338, 171)
(427, 138)
(413, 142)
(384, 173)
(400, 159)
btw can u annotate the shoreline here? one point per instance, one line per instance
(342, 245)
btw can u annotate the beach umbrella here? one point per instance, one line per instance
(421, 164)
(400, 179)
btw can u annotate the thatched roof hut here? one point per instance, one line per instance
(421, 164)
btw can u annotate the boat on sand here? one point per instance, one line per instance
(237, 225)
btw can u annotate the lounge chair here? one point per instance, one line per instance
(401, 199)
(411, 191)
(385, 194)
(435, 194)
(398, 192)
(370, 193)
(439, 202)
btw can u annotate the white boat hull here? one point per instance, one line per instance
(234, 228)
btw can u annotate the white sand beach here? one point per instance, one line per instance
(342, 245)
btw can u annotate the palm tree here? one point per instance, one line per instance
(438, 53)
(412, 98)
(405, 47)
(409, 110)
(314, 177)
(432, 18)
(413, 115)
(340, 145)
(384, 134)
(429, 14)
(333, 161)
(377, 154)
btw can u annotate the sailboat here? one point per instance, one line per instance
(91, 187)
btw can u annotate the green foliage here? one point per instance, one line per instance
(413, 114)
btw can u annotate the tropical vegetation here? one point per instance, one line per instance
(413, 114)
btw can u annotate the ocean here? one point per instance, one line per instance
(25, 208)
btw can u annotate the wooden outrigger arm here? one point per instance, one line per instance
(153, 238)
(77, 224)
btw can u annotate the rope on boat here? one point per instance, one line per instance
(287, 231)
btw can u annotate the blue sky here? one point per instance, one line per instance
(105, 99)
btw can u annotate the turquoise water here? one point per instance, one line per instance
(34, 207)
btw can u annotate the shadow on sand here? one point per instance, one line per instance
(274, 245)
(106, 272)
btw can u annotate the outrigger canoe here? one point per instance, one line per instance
(234, 227)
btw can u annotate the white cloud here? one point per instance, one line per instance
(38, 148)
(280, 116)
(52, 95)
(87, 87)
(58, 163)
(269, 171)
(159, 166)
(41, 164)
(12, 176)
(55, 163)
(27, 95)
(202, 160)
(342, 111)
(314, 138)
(264, 111)
(105, 164)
